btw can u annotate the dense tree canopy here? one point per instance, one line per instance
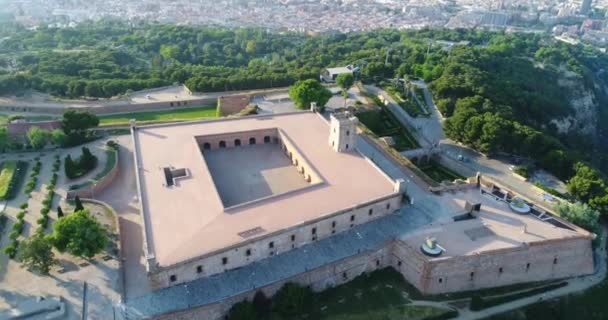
(303, 93)
(79, 234)
(38, 137)
(37, 253)
(499, 92)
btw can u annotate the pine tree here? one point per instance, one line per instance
(68, 165)
(78, 204)
(60, 212)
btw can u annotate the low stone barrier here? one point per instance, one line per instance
(89, 190)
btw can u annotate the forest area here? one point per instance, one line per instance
(498, 91)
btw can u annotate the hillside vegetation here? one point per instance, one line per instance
(520, 94)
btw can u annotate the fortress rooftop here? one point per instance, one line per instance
(495, 227)
(209, 185)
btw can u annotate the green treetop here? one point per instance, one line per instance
(306, 91)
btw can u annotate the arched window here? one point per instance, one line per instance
(206, 146)
(252, 140)
(237, 142)
(222, 144)
(267, 139)
(347, 146)
(348, 132)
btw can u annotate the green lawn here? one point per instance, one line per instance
(4, 118)
(382, 294)
(381, 123)
(439, 173)
(8, 170)
(205, 112)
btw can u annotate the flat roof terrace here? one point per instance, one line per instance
(495, 227)
(252, 172)
(189, 219)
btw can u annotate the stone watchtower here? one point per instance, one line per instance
(343, 132)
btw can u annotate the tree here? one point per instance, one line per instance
(60, 212)
(4, 140)
(93, 89)
(345, 81)
(262, 304)
(77, 122)
(69, 167)
(580, 214)
(78, 204)
(79, 234)
(37, 253)
(243, 310)
(58, 137)
(38, 137)
(586, 183)
(304, 92)
(292, 299)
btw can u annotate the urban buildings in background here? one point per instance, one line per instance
(572, 20)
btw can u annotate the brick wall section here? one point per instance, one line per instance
(574, 257)
(540, 261)
(116, 107)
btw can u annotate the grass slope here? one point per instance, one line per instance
(205, 112)
(8, 170)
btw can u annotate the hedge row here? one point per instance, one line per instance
(31, 184)
(16, 180)
(11, 249)
(48, 199)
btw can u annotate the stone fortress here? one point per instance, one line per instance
(230, 205)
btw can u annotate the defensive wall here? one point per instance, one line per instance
(318, 279)
(541, 261)
(279, 242)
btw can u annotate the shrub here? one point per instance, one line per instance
(523, 171)
(44, 211)
(243, 310)
(18, 226)
(112, 144)
(81, 166)
(11, 249)
(23, 205)
(292, 299)
(476, 303)
(42, 221)
(14, 235)
(21, 215)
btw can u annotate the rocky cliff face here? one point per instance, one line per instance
(583, 101)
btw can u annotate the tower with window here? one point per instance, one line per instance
(343, 132)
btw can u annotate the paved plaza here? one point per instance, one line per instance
(252, 172)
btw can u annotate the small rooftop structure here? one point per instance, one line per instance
(330, 74)
(229, 105)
